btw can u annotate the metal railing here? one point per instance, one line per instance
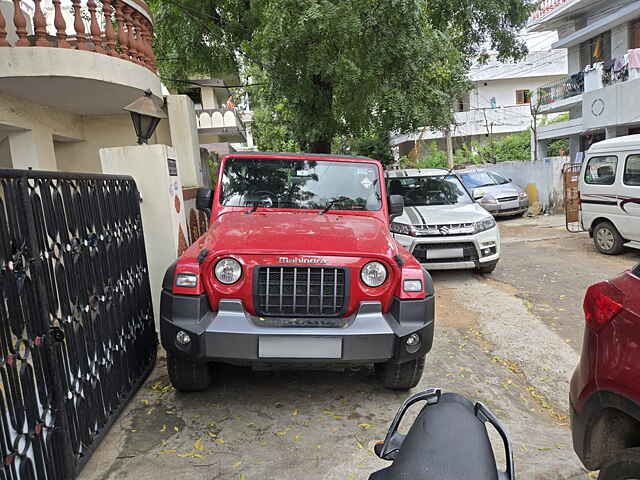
(567, 87)
(77, 335)
(118, 28)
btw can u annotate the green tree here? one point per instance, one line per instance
(338, 67)
(512, 147)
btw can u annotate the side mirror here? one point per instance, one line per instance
(204, 199)
(396, 206)
(478, 194)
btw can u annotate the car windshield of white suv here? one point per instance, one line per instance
(482, 179)
(300, 184)
(424, 191)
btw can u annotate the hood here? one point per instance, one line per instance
(306, 233)
(442, 214)
(499, 191)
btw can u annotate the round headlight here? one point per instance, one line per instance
(228, 271)
(373, 274)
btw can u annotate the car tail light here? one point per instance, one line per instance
(602, 303)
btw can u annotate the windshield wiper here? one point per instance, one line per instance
(254, 206)
(329, 205)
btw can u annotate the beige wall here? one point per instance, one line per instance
(20, 113)
(102, 131)
(54, 139)
(47, 138)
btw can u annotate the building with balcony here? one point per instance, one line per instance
(498, 105)
(223, 126)
(600, 94)
(66, 71)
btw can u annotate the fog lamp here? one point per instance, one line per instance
(412, 343)
(413, 340)
(183, 338)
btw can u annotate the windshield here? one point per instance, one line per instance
(422, 191)
(300, 184)
(477, 179)
(499, 179)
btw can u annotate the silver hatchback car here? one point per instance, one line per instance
(497, 194)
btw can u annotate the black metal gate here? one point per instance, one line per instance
(77, 334)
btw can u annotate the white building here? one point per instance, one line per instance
(498, 104)
(601, 92)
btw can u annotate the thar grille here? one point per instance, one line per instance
(300, 291)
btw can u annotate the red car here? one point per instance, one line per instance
(298, 267)
(605, 388)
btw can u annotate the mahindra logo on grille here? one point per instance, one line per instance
(303, 260)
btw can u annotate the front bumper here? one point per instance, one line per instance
(235, 336)
(505, 209)
(473, 246)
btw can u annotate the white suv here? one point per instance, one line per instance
(442, 226)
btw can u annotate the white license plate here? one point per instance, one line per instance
(444, 253)
(509, 205)
(274, 346)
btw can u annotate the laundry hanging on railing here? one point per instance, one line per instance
(634, 58)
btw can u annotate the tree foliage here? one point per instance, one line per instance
(330, 68)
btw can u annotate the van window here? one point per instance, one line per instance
(632, 171)
(601, 170)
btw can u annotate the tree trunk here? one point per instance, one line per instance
(320, 146)
(321, 107)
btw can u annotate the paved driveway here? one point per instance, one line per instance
(510, 340)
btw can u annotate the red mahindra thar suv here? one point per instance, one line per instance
(298, 266)
(605, 388)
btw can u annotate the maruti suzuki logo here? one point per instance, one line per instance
(444, 230)
(303, 260)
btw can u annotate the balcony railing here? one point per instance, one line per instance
(219, 118)
(567, 87)
(545, 8)
(118, 28)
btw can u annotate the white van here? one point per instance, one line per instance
(610, 194)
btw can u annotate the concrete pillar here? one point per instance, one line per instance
(184, 136)
(611, 132)
(162, 207)
(5, 154)
(573, 59)
(249, 135)
(209, 100)
(574, 146)
(33, 148)
(620, 40)
(542, 150)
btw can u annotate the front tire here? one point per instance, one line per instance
(188, 376)
(401, 376)
(607, 239)
(625, 465)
